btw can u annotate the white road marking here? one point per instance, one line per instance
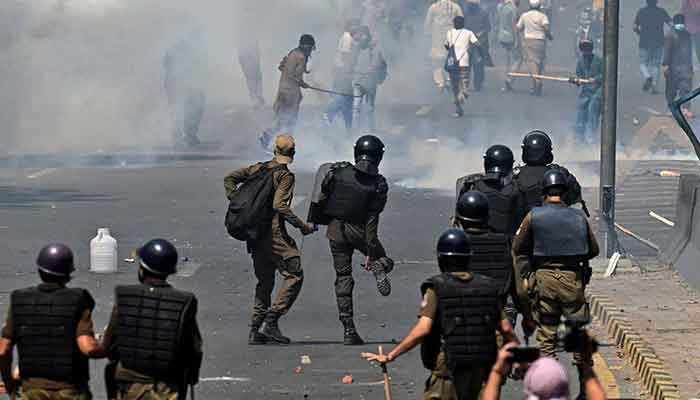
(41, 173)
(225, 379)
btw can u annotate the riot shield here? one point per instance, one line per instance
(459, 186)
(316, 214)
(461, 181)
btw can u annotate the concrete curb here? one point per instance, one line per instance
(651, 369)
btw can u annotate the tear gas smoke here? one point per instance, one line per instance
(84, 76)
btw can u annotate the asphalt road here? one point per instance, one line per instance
(184, 202)
(63, 198)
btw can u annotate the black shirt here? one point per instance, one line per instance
(650, 21)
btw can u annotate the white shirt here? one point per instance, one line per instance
(462, 40)
(346, 45)
(438, 21)
(534, 23)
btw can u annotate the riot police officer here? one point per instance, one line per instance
(148, 368)
(491, 255)
(352, 198)
(455, 302)
(505, 203)
(558, 241)
(51, 324)
(537, 156)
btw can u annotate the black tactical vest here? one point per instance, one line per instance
(491, 257)
(529, 180)
(351, 194)
(149, 329)
(45, 328)
(469, 315)
(503, 205)
(559, 231)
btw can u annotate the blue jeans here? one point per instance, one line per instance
(363, 106)
(588, 110)
(341, 105)
(650, 62)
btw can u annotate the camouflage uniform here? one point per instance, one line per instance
(60, 394)
(556, 284)
(148, 391)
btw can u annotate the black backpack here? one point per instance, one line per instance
(452, 62)
(249, 214)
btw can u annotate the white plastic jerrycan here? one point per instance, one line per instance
(103, 253)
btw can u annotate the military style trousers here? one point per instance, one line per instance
(342, 251)
(459, 81)
(62, 394)
(557, 293)
(148, 391)
(265, 264)
(439, 387)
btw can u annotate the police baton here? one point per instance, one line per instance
(387, 379)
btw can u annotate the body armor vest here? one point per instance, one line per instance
(559, 231)
(351, 194)
(45, 325)
(503, 206)
(149, 329)
(491, 257)
(529, 182)
(469, 314)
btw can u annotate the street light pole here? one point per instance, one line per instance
(608, 135)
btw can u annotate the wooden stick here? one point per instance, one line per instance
(640, 239)
(548, 77)
(387, 380)
(661, 219)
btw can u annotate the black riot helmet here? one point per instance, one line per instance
(159, 257)
(554, 183)
(537, 148)
(499, 159)
(454, 250)
(473, 207)
(307, 41)
(56, 260)
(369, 151)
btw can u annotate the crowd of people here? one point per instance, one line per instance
(517, 245)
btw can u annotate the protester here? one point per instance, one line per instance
(649, 25)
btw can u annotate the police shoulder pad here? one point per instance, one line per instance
(340, 164)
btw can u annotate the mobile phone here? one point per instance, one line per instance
(524, 354)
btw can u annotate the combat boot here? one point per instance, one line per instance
(380, 269)
(351, 337)
(271, 330)
(255, 337)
